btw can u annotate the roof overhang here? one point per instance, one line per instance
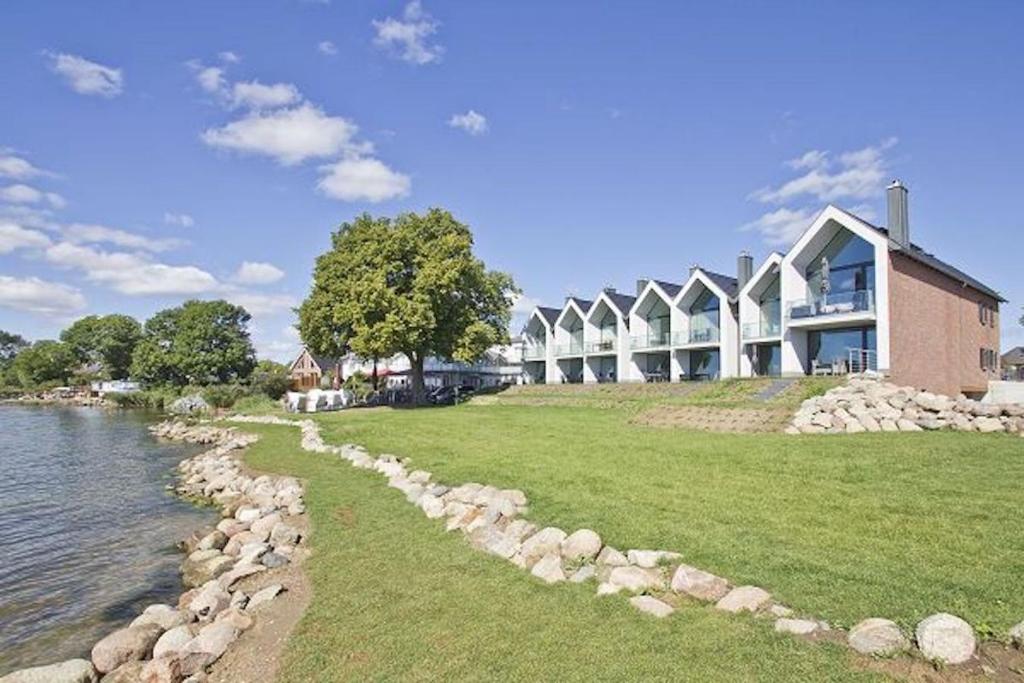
(642, 297)
(688, 293)
(762, 276)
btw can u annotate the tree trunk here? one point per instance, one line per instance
(374, 378)
(419, 394)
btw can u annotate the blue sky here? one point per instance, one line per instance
(152, 152)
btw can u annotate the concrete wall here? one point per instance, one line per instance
(935, 333)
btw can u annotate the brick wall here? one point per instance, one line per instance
(935, 333)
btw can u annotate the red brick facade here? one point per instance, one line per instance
(938, 330)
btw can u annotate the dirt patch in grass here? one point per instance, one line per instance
(993, 662)
(707, 418)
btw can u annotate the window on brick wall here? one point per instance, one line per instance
(981, 313)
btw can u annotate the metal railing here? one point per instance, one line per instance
(602, 346)
(571, 349)
(762, 329)
(856, 362)
(861, 301)
(650, 341)
(536, 352)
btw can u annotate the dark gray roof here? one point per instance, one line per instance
(582, 303)
(923, 257)
(326, 363)
(1014, 356)
(727, 284)
(549, 314)
(623, 302)
(670, 288)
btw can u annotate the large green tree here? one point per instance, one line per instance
(10, 345)
(43, 362)
(199, 342)
(408, 285)
(108, 341)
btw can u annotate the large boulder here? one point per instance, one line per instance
(1017, 635)
(744, 599)
(611, 557)
(651, 558)
(172, 642)
(946, 638)
(636, 579)
(652, 606)
(581, 545)
(164, 616)
(71, 671)
(699, 584)
(207, 647)
(549, 568)
(129, 672)
(124, 645)
(879, 637)
(204, 565)
(544, 542)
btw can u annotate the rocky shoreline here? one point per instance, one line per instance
(229, 572)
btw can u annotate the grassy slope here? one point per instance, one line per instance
(395, 598)
(844, 527)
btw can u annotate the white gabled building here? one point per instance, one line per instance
(606, 338)
(538, 341)
(760, 312)
(650, 331)
(568, 331)
(706, 342)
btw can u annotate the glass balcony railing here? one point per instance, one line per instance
(571, 349)
(602, 346)
(704, 335)
(535, 353)
(839, 303)
(650, 341)
(762, 329)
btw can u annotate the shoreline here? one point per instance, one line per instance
(230, 574)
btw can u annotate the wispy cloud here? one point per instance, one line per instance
(363, 179)
(326, 47)
(24, 194)
(82, 233)
(182, 220)
(471, 122)
(408, 37)
(14, 236)
(18, 168)
(257, 273)
(86, 77)
(34, 295)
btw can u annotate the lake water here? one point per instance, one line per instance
(87, 529)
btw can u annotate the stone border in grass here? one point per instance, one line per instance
(493, 520)
(259, 531)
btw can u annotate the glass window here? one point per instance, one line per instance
(704, 313)
(769, 360)
(851, 262)
(825, 347)
(771, 309)
(704, 364)
(606, 327)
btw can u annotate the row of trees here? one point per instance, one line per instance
(199, 342)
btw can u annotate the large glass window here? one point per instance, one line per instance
(704, 315)
(658, 323)
(832, 347)
(606, 331)
(851, 264)
(767, 360)
(606, 369)
(771, 309)
(704, 364)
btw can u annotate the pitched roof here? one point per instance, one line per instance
(727, 284)
(623, 302)
(1014, 356)
(582, 303)
(549, 314)
(670, 288)
(930, 260)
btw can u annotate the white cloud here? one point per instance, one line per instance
(407, 37)
(523, 305)
(183, 220)
(262, 304)
(782, 226)
(14, 236)
(362, 178)
(289, 135)
(210, 78)
(859, 174)
(131, 274)
(229, 57)
(39, 296)
(326, 47)
(256, 273)
(12, 166)
(256, 95)
(80, 233)
(85, 77)
(471, 122)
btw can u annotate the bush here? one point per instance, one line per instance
(359, 384)
(270, 382)
(223, 395)
(156, 398)
(257, 404)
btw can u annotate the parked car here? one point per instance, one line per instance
(451, 395)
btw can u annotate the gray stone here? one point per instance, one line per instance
(124, 645)
(988, 425)
(611, 557)
(651, 558)
(652, 606)
(207, 647)
(544, 542)
(799, 627)
(608, 588)
(284, 534)
(699, 584)
(163, 670)
(196, 573)
(171, 642)
(208, 601)
(584, 573)
(744, 599)
(273, 560)
(264, 525)
(432, 506)
(164, 616)
(129, 672)
(549, 568)
(215, 540)
(228, 579)
(636, 579)
(583, 544)
(946, 638)
(1017, 635)
(879, 637)
(264, 595)
(71, 671)
(907, 425)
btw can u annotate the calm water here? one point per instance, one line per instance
(87, 530)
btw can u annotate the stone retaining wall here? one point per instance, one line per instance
(260, 531)
(493, 520)
(872, 405)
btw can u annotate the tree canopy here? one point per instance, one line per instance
(43, 362)
(408, 285)
(199, 342)
(107, 341)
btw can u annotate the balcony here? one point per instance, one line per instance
(841, 304)
(697, 337)
(765, 329)
(536, 352)
(574, 348)
(650, 341)
(603, 346)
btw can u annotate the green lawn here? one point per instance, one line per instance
(396, 598)
(842, 527)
